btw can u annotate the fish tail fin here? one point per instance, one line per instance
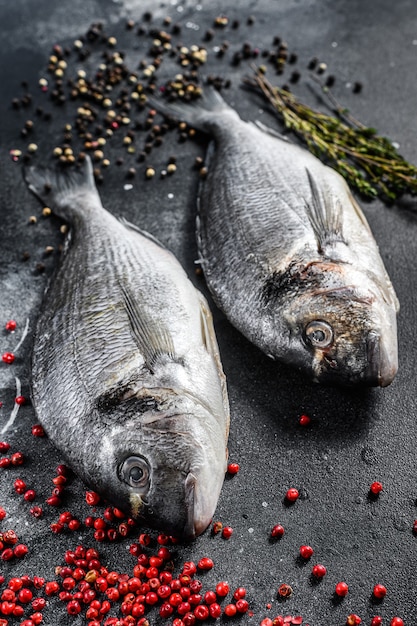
(203, 114)
(68, 191)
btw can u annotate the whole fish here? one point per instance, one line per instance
(126, 373)
(288, 254)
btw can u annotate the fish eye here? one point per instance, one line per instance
(319, 334)
(135, 472)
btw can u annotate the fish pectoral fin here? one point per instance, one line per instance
(270, 131)
(144, 233)
(207, 328)
(324, 211)
(151, 337)
(210, 342)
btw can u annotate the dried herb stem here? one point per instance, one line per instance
(368, 161)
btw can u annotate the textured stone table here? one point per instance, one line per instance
(356, 436)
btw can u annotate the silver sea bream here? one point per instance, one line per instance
(288, 254)
(126, 373)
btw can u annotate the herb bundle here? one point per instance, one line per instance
(369, 163)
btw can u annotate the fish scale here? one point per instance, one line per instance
(126, 373)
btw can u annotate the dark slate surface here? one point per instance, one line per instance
(356, 436)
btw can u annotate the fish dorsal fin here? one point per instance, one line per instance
(152, 339)
(210, 342)
(325, 215)
(142, 232)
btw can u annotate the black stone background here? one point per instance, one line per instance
(356, 436)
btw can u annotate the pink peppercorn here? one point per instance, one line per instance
(319, 571)
(92, 498)
(20, 550)
(230, 610)
(242, 605)
(210, 597)
(227, 532)
(19, 486)
(38, 431)
(17, 458)
(341, 589)
(380, 591)
(215, 610)
(233, 468)
(222, 589)
(292, 495)
(375, 488)
(51, 588)
(73, 607)
(25, 596)
(38, 604)
(277, 531)
(239, 593)
(306, 552)
(201, 612)
(29, 495)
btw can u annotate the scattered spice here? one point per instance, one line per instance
(233, 468)
(341, 589)
(8, 357)
(227, 532)
(306, 552)
(375, 488)
(277, 531)
(217, 527)
(304, 420)
(319, 571)
(379, 591)
(38, 431)
(284, 591)
(230, 610)
(292, 495)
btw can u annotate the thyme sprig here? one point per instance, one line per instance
(368, 161)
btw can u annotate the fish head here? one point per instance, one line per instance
(343, 330)
(166, 467)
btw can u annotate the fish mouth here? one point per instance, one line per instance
(199, 509)
(188, 516)
(382, 362)
(377, 364)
